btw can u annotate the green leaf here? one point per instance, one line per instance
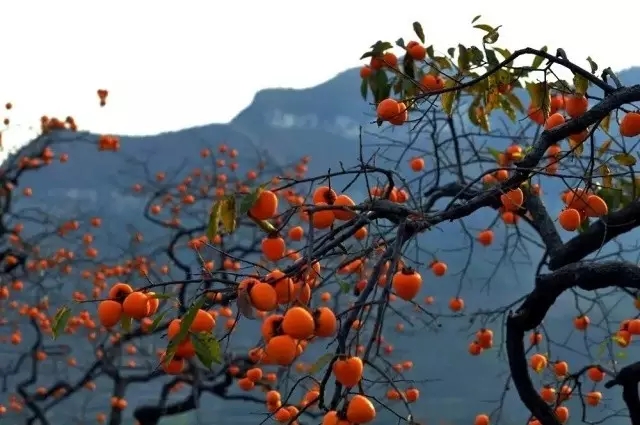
(380, 47)
(621, 354)
(160, 296)
(476, 19)
(446, 99)
(612, 197)
(494, 153)
(492, 37)
(60, 320)
(592, 64)
(492, 59)
(126, 322)
(537, 60)
(584, 225)
(484, 27)
(399, 85)
(320, 363)
(514, 101)
(185, 324)
(156, 321)
(506, 106)
(400, 42)
(409, 67)
(248, 201)
(214, 219)
(475, 55)
(344, 286)
(504, 52)
(451, 51)
(471, 112)
(430, 52)
(442, 62)
(463, 58)
(364, 85)
(625, 159)
(366, 55)
(228, 213)
(380, 86)
(207, 348)
(417, 28)
(581, 84)
(604, 148)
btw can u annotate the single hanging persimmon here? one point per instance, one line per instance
(512, 200)
(282, 349)
(360, 410)
(136, 305)
(569, 219)
(630, 125)
(109, 313)
(407, 283)
(265, 207)
(273, 247)
(348, 370)
(298, 323)
(326, 323)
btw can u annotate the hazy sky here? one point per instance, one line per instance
(170, 65)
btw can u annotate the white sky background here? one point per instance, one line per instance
(170, 65)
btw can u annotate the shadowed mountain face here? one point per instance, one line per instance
(324, 122)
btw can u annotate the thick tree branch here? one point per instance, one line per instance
(548, 287)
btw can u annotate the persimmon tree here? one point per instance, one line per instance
(574, 143)
(313, 276)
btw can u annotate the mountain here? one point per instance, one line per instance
(324, 123)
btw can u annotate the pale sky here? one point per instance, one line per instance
(175, 64)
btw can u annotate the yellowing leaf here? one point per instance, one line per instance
(228, 213)
(471, 112)
(540, 96)
(514, 101)
(605, 123)
(625, 159)
(446, 99)
(506, 106)
(607, 180)
(619, 340)
(581, 84)
(319, 364)
(483, 120)
(494, 153)
(604, 148)
(60, 321)
(214, 219)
